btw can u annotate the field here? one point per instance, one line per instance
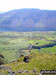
(14, 44)
(40, 47)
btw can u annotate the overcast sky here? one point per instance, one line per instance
(6, 5)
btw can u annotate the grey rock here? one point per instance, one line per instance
(4, 67)
(20, 71)
(26, 71)
(34, 71)
(26, 59)
(11, 72)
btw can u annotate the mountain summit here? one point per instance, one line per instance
(28, 20)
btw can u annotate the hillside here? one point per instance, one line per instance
(36, 63)
(28, 20)
(21, 53)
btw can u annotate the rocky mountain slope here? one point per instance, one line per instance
(28, 20)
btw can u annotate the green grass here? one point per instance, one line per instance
(46, 50)
(9, 55)
(13, 43)
(52, 49)
(38, 61)
(40, 42)
(13, 48)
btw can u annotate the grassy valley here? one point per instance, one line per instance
(40, 47)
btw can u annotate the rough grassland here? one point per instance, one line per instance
(12, 44)
(38, 61)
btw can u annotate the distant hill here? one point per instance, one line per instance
(28, 20)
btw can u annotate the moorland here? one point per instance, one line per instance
(26, 53)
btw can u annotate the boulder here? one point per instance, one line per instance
(20, 71)
(26, 59)
(34, 71)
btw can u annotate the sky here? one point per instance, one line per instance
(7, 5)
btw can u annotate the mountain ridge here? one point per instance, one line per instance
(28, 20)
